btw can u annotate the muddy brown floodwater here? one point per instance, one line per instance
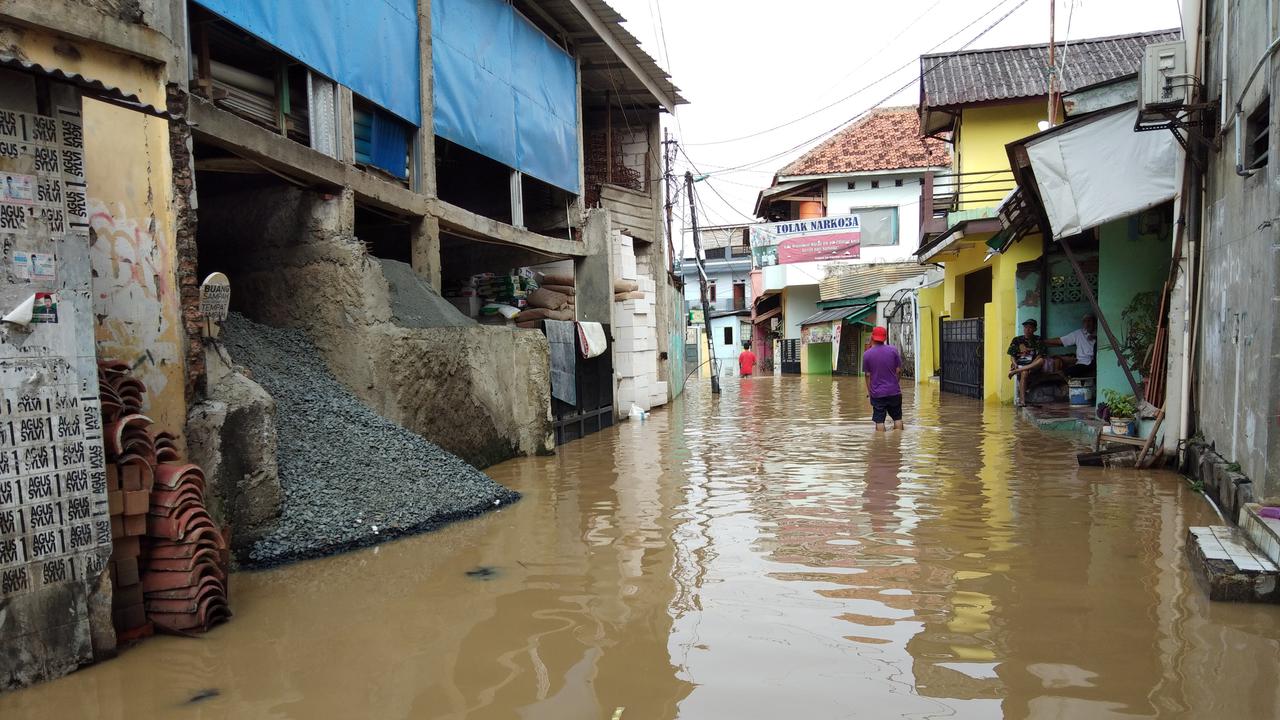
(764, 555)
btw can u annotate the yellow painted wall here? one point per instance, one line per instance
(930, 301)
(1000, 315)
(984, 131)
(130, 207)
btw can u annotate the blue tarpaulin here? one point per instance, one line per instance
(503, 89)
(371, 46)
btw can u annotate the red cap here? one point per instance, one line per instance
(879, 334)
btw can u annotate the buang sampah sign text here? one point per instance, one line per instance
(794, 241)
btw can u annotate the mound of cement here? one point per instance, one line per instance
(346, 470)
(414, 304)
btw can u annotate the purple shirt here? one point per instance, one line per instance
(881, 364)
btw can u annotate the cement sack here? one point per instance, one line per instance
(544, 298)
(557, 280)
(625, 296)
(562, 289)
(543, 314)
(622, 286)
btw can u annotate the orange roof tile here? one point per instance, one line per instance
(886, 139)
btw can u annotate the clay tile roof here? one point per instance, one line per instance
(886, 139)
(974, 76)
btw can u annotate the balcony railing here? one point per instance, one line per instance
(720, 305)
(942, 196)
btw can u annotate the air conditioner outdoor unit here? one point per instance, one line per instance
(1163, 79)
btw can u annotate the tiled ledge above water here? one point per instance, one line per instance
(1233, 568)
(1263, 532)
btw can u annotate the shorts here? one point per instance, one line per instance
(889, 404)
(1081, 371)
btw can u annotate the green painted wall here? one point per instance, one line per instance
(1133, 258)
(819, 355)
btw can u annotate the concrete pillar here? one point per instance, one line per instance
(425, 250)
(346, 125)
(426, 181)
(594, 273)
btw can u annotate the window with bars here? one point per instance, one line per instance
(1258, 136)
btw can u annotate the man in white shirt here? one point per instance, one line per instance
(1085, 342)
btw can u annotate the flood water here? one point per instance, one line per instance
(760, 555)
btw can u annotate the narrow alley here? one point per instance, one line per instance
(763, 554)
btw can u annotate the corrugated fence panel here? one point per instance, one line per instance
(505, 90)
(371, 46)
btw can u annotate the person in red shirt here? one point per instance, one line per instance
(746, 361)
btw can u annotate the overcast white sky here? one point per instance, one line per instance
(748, 65)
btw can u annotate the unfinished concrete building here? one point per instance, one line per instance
(344, 169)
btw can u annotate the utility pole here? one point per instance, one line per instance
(1053, 67)
(702, 284)
(668, 151)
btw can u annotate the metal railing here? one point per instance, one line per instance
(942, 195)
(719, 305)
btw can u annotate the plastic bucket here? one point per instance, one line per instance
(1080, 391)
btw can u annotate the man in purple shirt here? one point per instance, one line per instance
(882, 365)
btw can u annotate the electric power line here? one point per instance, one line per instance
(713, 188)
(866, 87)
(887, 98)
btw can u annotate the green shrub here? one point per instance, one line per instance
(1120, 405)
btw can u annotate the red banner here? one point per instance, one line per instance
(833, 246)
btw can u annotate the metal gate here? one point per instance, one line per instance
(594, 410)
(962, 342)
(790, 359)
(900, 318)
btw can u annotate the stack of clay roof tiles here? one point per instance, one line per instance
(169, 562)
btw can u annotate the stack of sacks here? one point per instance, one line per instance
(158, 516)
(555, 299)
(495, 298)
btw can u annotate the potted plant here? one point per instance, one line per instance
(1142, 323)
(1123, 409)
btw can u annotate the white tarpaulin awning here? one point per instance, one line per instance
(1099, 170)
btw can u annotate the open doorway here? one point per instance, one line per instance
(977, 292)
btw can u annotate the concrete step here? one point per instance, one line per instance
(1232, 567)
(1263, 532)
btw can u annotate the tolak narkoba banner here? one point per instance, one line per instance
(794, 241)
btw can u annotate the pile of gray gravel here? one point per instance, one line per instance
(414, 303)
(350, 477)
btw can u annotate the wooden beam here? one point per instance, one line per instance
(245, 139)
(459, 221)
(623, 54)
(1102, 319)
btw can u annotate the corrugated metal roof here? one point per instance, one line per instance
(600, 71)
(840, 313)
(92, 88)
(976, 76)
(864, 280)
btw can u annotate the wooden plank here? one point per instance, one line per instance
(626, 196)
(1142, 454)
(633, 220)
